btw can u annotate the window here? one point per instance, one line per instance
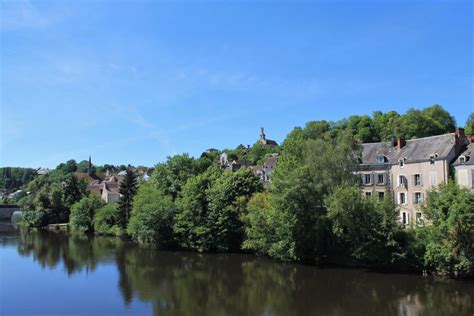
(401, 163)
(432, 160)
(381, 196)
(367, 179)
(401, 180)
(402, 198)
(433, 178)
(404, 218)
(381, 159)
(368, 195)
(417, 179)
(418, 198)
(419, 219)
(462, 159)
(380, 179)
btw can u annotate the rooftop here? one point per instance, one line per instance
(414, 150)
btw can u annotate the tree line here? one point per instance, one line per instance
(311, 212)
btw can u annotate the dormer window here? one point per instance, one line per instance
(401, 162)
(381, 159)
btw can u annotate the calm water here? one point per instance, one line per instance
(54, 274)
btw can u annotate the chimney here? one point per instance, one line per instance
(400, 143)
(460, 133)
(393, 141)
(460, 139)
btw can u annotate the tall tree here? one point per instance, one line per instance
(73, 191)
(469, 128)
(128, 188)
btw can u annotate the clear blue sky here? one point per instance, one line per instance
(134, 82)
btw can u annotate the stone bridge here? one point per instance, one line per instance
(6, 211)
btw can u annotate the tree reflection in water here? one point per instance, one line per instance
(184, 283)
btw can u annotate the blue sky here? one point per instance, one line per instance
(134, 82)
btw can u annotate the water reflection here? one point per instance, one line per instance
(182, 283)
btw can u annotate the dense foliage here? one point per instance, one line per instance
(107, 220)
(450, 238)
(311, 211)
(82, 213)
(128, 189)
(152, 216)
(14, 178)
(469, 128)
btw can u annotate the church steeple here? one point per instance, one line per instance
(89, 167)
(262, 135)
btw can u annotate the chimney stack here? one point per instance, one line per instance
(400, 143)
(393, 141)
(460, 133)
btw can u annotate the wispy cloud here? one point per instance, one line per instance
(22, 14)
(154, 132)
(247, 81)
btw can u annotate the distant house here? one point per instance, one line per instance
(110, 189)
(211, 150)
(268, 166)
(408, 169)
(42, 171)
(122, 173)
(90, 178)
(464, 168)
(110, 192)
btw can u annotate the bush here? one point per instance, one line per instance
(449, 240)
(152, 216)
(107, 220)
(367, 228)
(268, 231)
(82, 213)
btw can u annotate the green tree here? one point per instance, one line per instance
(171, 175)
(58, 209)
(228, 198)
(191, 225)
(469, 128)
(267, 230)
(386, 124)
(362, 128)
(211, 209)
(107, 220)
(74, 190)
(82, 213)
(128, 188)
(430, 121)
(307, 172)
(152, 217)
(367, 228)
(258, 152)
(450, 238)
(69, 167)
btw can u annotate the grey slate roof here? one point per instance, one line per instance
(468, 155)
(271, 161)
(419, 149)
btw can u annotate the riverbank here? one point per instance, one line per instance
(114, 276)
(343, 261)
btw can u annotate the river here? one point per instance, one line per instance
(46, 273)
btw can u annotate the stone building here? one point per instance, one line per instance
(464, 168)
(264, 141)
(408, 169)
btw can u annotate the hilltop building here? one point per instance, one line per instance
(263, 139)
